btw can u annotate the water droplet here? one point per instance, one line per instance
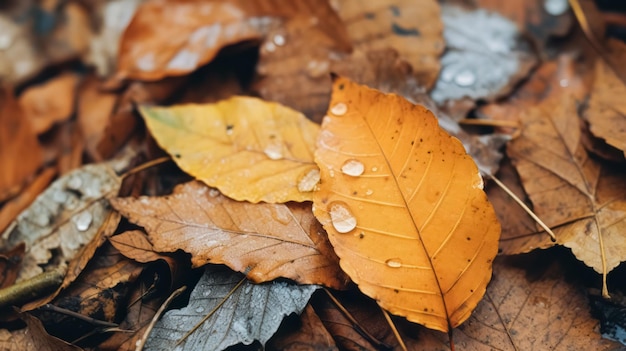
(214, 192)
(74, 182)
(339, 109)
(341, 217)
(82, 220)
(274, 152)
(353, 168)
(374, 169)
(369, 192)
(281, 214)
(206, 293)
(316, 69)
(270, 47)
(447, 75)
(465, 78)
(331, 173)
(394, 263)
(59, 196)
(279, 40)
(564, 83)
(309, 180)
(6, 41)
(199, 309)
(555, 7)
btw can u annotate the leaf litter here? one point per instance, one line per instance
(396, 47)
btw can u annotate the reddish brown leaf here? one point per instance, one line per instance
(135, 245)
(311, 335)
(168, 38)
(10, 265)
(265, 240)
(33, 337)
(16, 134)
(50, 102)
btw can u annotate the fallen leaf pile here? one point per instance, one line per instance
(312, 175)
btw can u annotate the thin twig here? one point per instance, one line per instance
(395, 331)
(90, 320)
(156, 316)
(143, 166)
(523, 205)
(369, 337)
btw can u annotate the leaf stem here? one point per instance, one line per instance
(143, 166)
(155, 318)
(395, 331)
(523, 205)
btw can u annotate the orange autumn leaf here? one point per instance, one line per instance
(267, 241)
(248, 148)
(16, 134)
(403, 206)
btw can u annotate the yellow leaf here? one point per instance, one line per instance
(404, 207)
(247, 148)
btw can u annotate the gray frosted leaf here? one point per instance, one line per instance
(64, 218)
(252, 312)
(484, 57)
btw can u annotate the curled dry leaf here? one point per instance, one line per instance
(252, 312)
(135, 245)
(16, 134)
(267, 241)
(404, 207)
(606, 112)
(174, 38)
(485, 56)
(64, 218)
(586, 199)
(247, 148)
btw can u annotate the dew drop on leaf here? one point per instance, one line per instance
(199, 309)
(394, 263)
(316, 69)
(369, 192)
(279, 40)
(281, 214)
(465, 78)
(341, 217)
(556, 7)
(82, 221)
(214, 192)
(353, 168)
(339, 109)
(309, 180)
(274, 152)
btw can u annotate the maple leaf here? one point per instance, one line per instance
(403, 206)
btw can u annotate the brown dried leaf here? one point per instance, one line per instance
(135, 245)
(265, 240)
(396, 47)
(10, 265)
(158, 43)
(33, 337)
(311, 335)
(411, 27)
(606, 112)
(568, 188)
(16, 134)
